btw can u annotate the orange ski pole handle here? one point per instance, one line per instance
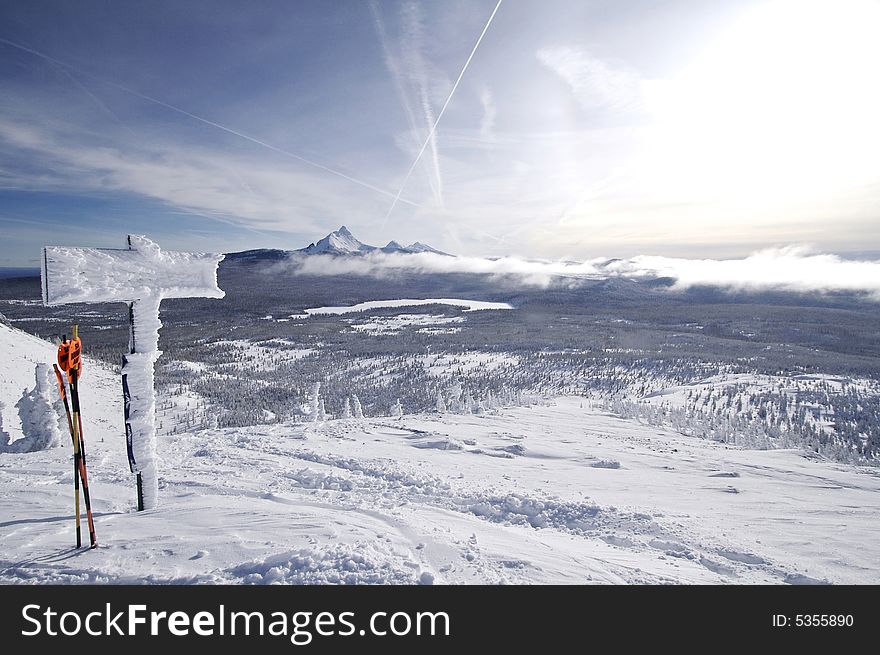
(70, 355)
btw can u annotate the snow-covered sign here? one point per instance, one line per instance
(142, 276)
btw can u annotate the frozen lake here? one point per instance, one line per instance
(469, 305)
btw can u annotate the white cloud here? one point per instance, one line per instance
(412, 76)
(790, 269)
(594, 82)
(530, 273)
(397, 77)
(487, 124)
(723, 161)
(253, 192)
(767, 135)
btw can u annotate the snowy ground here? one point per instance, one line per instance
(556, 493)
(397, 322)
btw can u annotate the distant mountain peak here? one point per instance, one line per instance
(339, 242)
(343, 242)
(418, 246)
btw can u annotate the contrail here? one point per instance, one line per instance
(440, 115)
(242, 135)
(413, 47)
(397, 77)
(97, 100)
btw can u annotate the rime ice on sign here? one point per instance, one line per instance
(142, 276)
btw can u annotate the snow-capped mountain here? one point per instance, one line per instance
(343, 242)
(423, 247)
(340, 242)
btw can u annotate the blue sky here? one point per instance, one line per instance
(580, 129)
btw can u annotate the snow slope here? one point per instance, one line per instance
(100, 388)
(556, 493)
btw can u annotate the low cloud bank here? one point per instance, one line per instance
(789, 269)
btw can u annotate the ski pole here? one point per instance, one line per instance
(74, 371)
(70, 360)
(76, 484)
(64, 399)
(70, 427)
(74, 392)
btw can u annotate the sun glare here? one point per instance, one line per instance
(782, 109)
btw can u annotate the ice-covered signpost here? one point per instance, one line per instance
(142, 276)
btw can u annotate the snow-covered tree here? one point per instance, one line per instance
(4, 437)
(315, 402)
(397, 409)
(356, 406)
(346, 408)
(440, 405)
(39, 415)
(454, 396)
